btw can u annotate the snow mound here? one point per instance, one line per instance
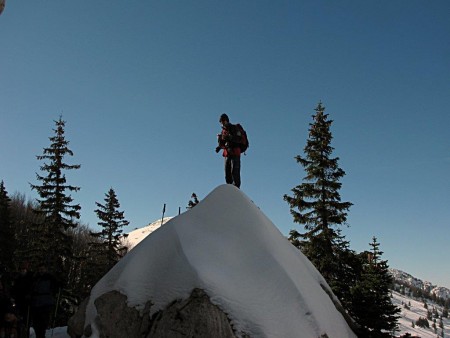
(226, 246)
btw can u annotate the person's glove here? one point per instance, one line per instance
(217, 149)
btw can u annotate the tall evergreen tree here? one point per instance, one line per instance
(316, 203)
(109, 248)
(23, 215)
(81, 283)
(56, 204)
(372, 307)
(7, 240)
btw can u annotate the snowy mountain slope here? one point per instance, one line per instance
(229, 248)
(413, 311)
(137, 235)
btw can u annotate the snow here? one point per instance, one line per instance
(226, 246)
(57, 332)
(416, 310)
(136, 236)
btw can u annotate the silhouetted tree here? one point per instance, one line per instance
(83, 268)
(372, 307)
(422, 322)
(316, 204)
(445, 312)
(7, 240)
(108, 249)
(55, 204)
(23, 216)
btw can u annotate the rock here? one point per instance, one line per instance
(75, 326)
(116, 320)
(193, 317)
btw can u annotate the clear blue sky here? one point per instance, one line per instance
(141, 85)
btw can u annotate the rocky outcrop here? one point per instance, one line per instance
(116, 320)
(75, 326)
(192, 317)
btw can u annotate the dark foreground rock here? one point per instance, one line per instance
(192, 317)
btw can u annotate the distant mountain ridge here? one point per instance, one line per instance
(408, 279)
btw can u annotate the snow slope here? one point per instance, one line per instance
(226, 246)
(416, 310)
(137, 235)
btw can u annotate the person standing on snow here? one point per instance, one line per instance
(21, 293)
(43, 301)
(229, 142)
(8, 319)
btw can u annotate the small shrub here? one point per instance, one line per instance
(423, 322)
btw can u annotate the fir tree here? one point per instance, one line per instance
(55, 204)
(23, 216)
(423, 322)
(372, 307)
(108, 249)
(316, 204)
(7, 240)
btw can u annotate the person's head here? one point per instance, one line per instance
(42, 268)
(23, 269)
(224, 120)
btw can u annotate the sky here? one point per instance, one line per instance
(141, 86)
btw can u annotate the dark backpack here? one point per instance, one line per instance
(241, 137)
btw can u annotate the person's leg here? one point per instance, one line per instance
(41, 319)
(236, 171)
(228, 170)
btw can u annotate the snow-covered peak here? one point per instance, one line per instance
(226, 246)
(406, 278)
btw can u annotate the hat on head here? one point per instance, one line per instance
(224, 117)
